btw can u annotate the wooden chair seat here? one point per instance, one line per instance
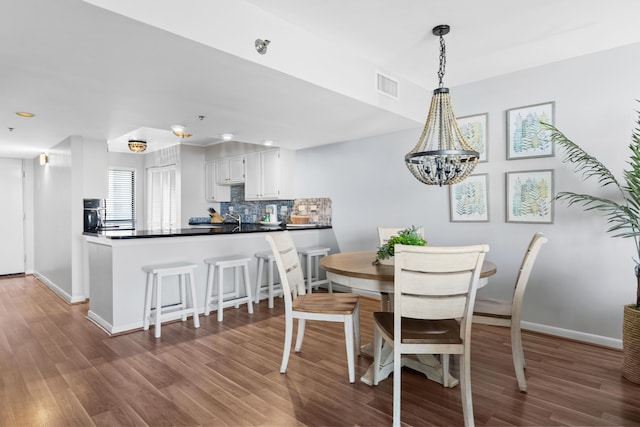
(493, 308)
(420, 331)
(326, 303)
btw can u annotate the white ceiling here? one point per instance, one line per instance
(142, 66)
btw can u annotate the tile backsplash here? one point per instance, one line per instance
(318, 209)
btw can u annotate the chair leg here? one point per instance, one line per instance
(397, 374)
(158, 280)
(236, 284)
(288, 335)
(518, 357)
(300, 337)
(444, 362)
(465, 389)
(183, 296)
(194, 302)
(356, 327)
(309, 274)
(270, 285)
(259, 279)
(247, 286)
(220, 293)
(348, 337)
(209, 289)
(147, 302)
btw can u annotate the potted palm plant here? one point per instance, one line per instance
(623, 216)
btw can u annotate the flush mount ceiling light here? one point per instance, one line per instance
(24, 114)
(137, 145)
(227, 136)
(442, 155)
(267, 142)
(180, 131)
(261, 46)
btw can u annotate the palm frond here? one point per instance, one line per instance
(584, 163)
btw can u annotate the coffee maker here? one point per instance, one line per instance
(93, 215)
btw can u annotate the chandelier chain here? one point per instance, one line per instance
(443, 61)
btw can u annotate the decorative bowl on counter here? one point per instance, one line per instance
(299, 219)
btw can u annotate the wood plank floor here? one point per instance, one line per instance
(58, 369)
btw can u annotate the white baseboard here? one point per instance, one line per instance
(574, 335)
(55, 288)
(109, 328)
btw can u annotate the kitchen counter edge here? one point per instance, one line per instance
(199, 231)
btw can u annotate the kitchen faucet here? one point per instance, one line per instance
(238, 218)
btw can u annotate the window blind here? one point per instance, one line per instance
(121, 196)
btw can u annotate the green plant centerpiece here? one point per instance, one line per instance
(408, 236)
(623, 216)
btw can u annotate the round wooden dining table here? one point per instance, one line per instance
(356, 270)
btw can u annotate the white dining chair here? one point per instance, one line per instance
(434, 293)
(333, 307)
(508, 313)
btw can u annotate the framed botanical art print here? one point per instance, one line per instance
(474, 129)
(530, 196)
(468, 200)
(526, 138)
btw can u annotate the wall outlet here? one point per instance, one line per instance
(246, 211)
(283, 209)
(230, 209)
(302, 208)
(313, 208)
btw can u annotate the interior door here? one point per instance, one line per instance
(11, 217)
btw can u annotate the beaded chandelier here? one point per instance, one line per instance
(442, 155)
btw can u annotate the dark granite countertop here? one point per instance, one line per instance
(201, 230)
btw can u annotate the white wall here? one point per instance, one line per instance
(583, 277)
(193, 203)
(52, 219)
(77, 168)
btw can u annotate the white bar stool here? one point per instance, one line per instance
(155, 273)
(313, 255)
(270, 288)
(233, 298)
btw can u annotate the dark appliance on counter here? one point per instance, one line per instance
(93, 215)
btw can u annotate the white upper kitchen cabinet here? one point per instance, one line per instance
(269, 175)
(230, 171)
(215, 192)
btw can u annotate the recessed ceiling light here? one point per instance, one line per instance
(267, 142)
(227, 136)
(24, 114)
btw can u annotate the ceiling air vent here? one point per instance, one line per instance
(387, 85)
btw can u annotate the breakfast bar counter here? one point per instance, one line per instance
(115, 260)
